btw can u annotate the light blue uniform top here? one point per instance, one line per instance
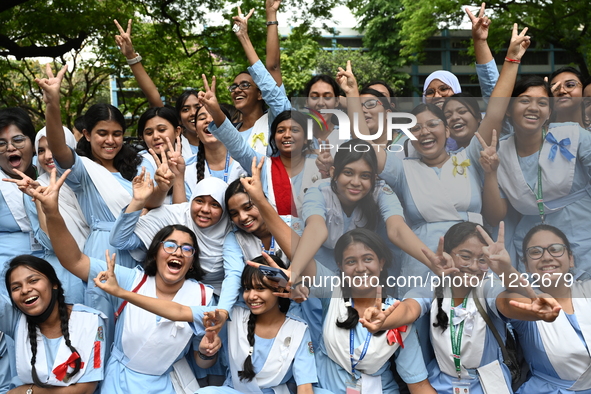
(118, 378)
(331, 376)
(442, 382)
(96, 212)
(9, 319)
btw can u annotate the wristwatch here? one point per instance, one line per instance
(30, 390)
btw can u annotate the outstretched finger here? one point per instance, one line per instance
(378, 303)
(213, 84)
(240, 14)
(514, 33)
(155, 157)
(493, 143)
(110, 261)
(470, 14)
(249, 14)
(48, 70)
(119, 26)
(61, 179)
(391, 308)
(128, 27)
(522, 34)
(440, 247)
(349, 69)
(205, 83)
(481, 140)
(501, 236)
(60, 74)
(481, 13)
(169, 144)
(489, 241)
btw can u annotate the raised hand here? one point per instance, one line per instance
(270, 283)
(374, 317)
(489, 160)
(480, 24)
(272, 5)
(25, 184)
(214, 321)
(142, 186)
(441, 262)
(543, 305)
(241, 23)
(176, 161)
(210, 344)
(51, 85)
(498, 258)
(106, 280)
(519, 43)
(347, 80)
(208, 98)
(252, 184)
(164, 177)
(324, 159)
(123, 40)
(48, 196)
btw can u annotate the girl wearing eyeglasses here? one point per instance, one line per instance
(439, 85)
(147, 348)
(566, 84)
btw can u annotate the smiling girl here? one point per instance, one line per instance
(171, 272)
(60, 347)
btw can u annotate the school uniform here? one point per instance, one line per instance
(86, 328)
(146, 347)
(101, 195)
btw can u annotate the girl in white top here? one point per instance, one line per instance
(59, 347)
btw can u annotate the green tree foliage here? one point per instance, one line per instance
(299, 57)
(564, 24)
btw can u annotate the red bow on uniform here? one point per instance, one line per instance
(61, 370)
(393, 336)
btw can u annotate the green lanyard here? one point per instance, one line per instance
(456, 340)
(539, 193)
(399, 136)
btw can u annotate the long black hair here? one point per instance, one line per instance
(349, 152)
(127, 159)
(200, 163)
(295, 116)
(254, 277)
(374, 242)
(44, 268)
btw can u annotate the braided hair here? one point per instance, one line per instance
(200, 164)
(250, 277)
(44, 268)
(373, 242)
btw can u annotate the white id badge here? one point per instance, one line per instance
(460, 386)
(353, 386)
(35, 245)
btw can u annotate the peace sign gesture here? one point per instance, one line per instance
(374, 317)
(176, 161)
(208, 98)
(123, 40)
(441, 262)
(164, 177)
(106, 280)
(519, 43)
(544, 306)
(25, 184)
(347, 80)
(241, 23)
(51, 85)
(498, 258)
(480, 24)
(252, 184)
(489, 160)
(48, 196)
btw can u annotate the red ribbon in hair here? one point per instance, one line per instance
(61, 370)
(393, 336)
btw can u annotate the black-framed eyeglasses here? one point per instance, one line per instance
(430, 124)
(170, 247)
(18, 141)
(536, 252)
(443, 91)
(242, 85)
(568, 86)
(371, 103)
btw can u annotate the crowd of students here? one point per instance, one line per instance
(236, 255)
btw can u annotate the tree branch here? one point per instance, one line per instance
(13, 49)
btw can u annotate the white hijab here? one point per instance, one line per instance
(70, 141)
(444, 76)
(210, 239)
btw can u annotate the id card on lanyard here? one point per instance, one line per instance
(456, 338)
(354, 385)
(271, 250)
(226, 167)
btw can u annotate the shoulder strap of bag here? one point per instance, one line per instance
(135, 290)
(492, 327)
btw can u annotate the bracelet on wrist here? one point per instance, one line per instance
(135, 60)
(206, 358)
(516, 61)
(269, 23)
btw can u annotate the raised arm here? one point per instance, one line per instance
(241, 30)
(480, 27)
(123, 40)
(396, 315)
(64, 245)
(494, 207)
(273, 60)
(56, 138)
(107, 281)
(500, 98)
